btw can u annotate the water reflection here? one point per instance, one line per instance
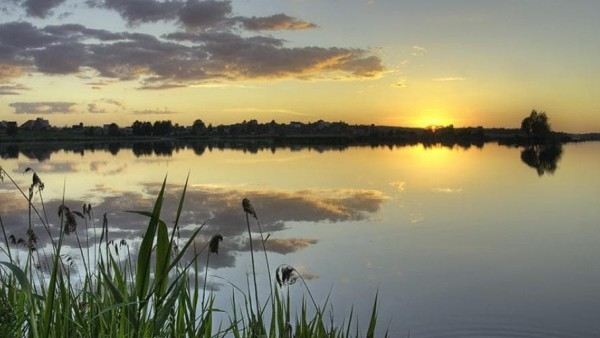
(43, 151)
(542, 157)
(218, 207)
(427, 226)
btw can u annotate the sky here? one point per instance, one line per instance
(387, 62)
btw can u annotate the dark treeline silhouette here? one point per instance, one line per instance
(541, 147)
(41, 130)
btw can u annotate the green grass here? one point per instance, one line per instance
(159, 294)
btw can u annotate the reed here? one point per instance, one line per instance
(155, 294)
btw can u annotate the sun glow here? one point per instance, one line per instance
(433, 119)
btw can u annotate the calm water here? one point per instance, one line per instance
(459, 243)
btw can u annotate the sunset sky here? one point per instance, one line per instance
(392, 62)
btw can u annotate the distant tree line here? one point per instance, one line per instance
(159, 128)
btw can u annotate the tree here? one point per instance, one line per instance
(162, 128)
(11, 129)
(198, 127)
(113, 129)
(536, 124)
(141, 128)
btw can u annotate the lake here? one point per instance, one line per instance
(478, 242)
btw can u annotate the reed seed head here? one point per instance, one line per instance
(69, 218)
(286, 275)
(248, 208)
(213, 245)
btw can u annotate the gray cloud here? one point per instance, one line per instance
(154, 112)
(197, 14)
(113, 102)
(95, 109)
(282, 245)
(177, 59)
(140, 11)
(48, 167)
(204, 14)
(191, 13)
(40, 8)
(275, 22)
(12, 89)
(42, 107)
(60, 59)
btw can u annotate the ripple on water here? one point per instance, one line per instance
(498, 327)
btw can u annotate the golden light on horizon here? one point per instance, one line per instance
(433, 118)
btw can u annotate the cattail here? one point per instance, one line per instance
(87, 210)
(35, 182)
(248, 208)
(69, 218)
(213, 245)
(32, 237)
(286, 275)
(31, 240)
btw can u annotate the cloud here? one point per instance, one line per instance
(175, 60)
(141, 11)
(418, 51)
(40, 8)
(9, 71)
(275, 22)
(113, 102)
(42, 107)
(48, 167)
(402, 83)
(399, 185)
(154, 112)
(196, 14)
(94, 109)
(102, 106)
(12, 89)
(282, 246)
(446, 190)
(449, 79)
(305, 273)
(203, 14)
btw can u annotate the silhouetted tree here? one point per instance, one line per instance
(162, 128)
(11, 129)
(198, 127)
(113, 130)
(536, 124)
(141, 128)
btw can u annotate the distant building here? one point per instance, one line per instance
(36, 125)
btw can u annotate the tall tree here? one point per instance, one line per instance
(536, 124)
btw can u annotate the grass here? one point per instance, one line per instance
(156, 294)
